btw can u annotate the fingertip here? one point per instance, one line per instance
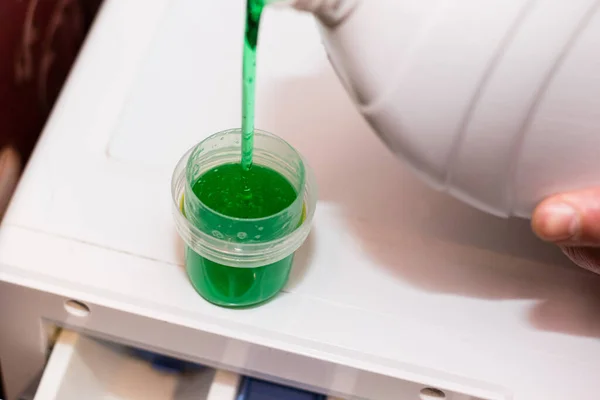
(556, 220)
(569, 218)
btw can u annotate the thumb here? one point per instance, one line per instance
(570, 219)
(585, 257)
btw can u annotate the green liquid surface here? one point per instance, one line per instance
(246, 194)
(255, 193)
(254, 9)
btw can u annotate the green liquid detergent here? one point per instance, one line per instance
(254, 9)
(248, 202)
(250, 195)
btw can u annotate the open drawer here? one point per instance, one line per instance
(80, 368)
(83, 368)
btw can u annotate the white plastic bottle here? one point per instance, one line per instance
(494, 101)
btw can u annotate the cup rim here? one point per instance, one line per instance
(299, 197)
(234, 254)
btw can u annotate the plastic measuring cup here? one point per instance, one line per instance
(238, 262)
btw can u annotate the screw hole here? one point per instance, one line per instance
(77, 308)
(431, 394)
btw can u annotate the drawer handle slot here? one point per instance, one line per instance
(432, 394)
(77, 308)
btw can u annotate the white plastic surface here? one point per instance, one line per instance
(484, 160)
(560, 149)
(83, 368)
(225, 386)
(398, 288)
(484, 99)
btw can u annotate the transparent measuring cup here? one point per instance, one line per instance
(237, 262)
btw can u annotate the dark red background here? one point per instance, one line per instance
(39, 40)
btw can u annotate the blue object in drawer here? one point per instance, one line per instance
(254, 389)
(164, 363)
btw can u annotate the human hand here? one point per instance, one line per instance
(572, 221)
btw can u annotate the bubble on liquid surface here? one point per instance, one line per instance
(242, 235)
(260, 228)
(257, 237)
(217, 234)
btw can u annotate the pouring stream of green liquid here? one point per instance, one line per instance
(254, 9)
